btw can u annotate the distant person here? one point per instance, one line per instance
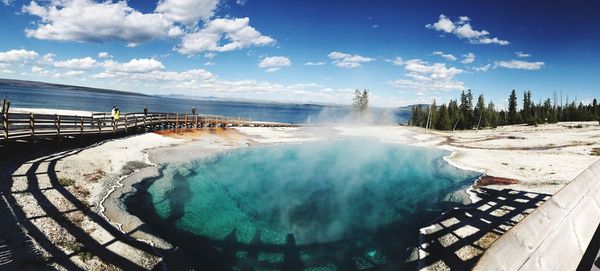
(194, 110)
(145, 111)
(112, 112)
(116, 114)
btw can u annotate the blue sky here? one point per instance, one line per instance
(404, 52)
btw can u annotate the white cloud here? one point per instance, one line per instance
(77, 63)
(7, 2)
(188, 12)
(90, 21)
(69, 74)
(209, 63)
(347, 60)
(448, 57)
(320, 63)
(17, 55)
(463, 30)
(483, 68)
(237, 32)
(142, 65)
(521, 54)
(39, 70)
(397, 61)
(210, 55)
(104, 55)
(422, 76)
(520, 65)
(241, 2)
(468, 58)
(274, 63)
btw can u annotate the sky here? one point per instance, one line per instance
(311, 51)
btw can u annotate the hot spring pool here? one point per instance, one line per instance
(355, 203)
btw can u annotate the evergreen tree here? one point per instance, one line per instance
(454, 112)
(443, 120)
(433, 115)
(491, 115)
(595, 109)
(513, 117)
(466, 110)
(526, 113)
(480, 112)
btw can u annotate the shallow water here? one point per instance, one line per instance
(355, 203)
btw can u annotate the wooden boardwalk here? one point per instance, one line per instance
(30, 127)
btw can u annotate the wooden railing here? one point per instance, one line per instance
(30, 126)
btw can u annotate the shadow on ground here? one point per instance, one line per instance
(460, 236)
(18, 233)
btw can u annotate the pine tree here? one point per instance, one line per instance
(454, 112)
(433, 115)
(443, 119)
(480, 112)
(513, 117)
(526, 113)
(492, 116)
(466, 110)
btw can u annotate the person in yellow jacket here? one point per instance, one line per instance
(116, 114)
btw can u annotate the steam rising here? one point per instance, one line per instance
(319, 192)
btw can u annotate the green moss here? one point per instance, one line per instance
(66, 181)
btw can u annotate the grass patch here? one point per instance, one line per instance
(94, 176)
(66, 181)
(77, 249)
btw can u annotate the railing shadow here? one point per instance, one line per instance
(459, 237)
(22, 229)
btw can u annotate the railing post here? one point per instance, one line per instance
(5, 126)
(166, 122)
(196, 122)
(125, 117)
(81, 127)
(114, 126)
(135, 121)
(176, 122)
(57, 124)
(186, 121)
(31, 125)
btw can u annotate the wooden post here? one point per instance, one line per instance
(196, 121)
(114, 125)
(125, 117)
(5, 126)
(176, 122)
(81, 127)
(186, 121)
(135, 121)
(145, 122)
(99, 126)
(57, 124)
(31, 125)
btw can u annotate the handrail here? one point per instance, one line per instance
(29, 126)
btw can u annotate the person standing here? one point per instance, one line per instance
(145, 111)
(116, 115)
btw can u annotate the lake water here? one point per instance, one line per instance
(351, 204)
(72, 98)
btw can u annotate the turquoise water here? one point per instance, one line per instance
(356, 201)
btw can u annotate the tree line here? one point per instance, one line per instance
(461, 114)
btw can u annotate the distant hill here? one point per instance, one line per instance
(35, 84)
